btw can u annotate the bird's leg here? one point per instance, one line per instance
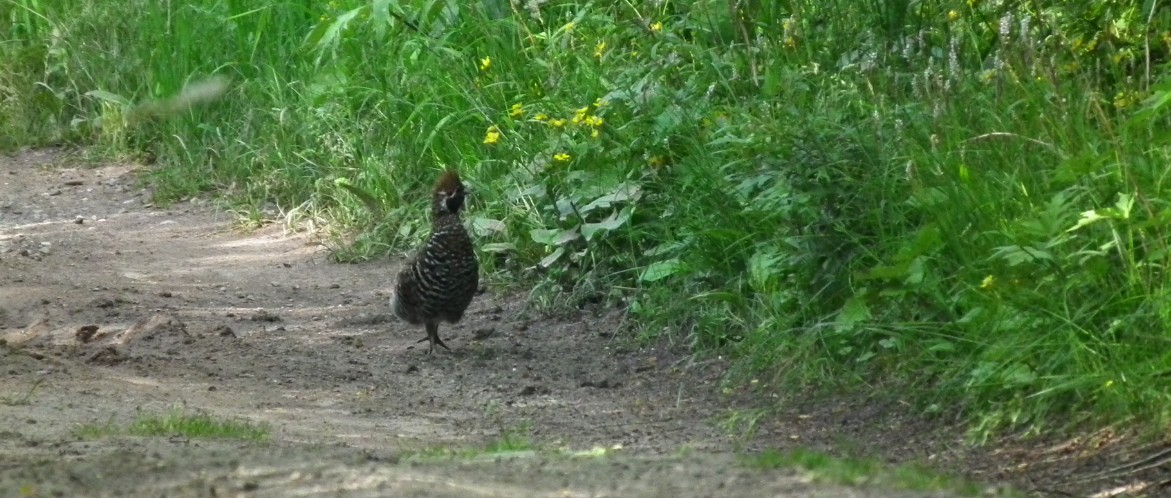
(433, 336)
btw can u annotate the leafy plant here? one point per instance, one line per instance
(963, 199)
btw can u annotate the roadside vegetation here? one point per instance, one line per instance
(177, 423)
(961, 200)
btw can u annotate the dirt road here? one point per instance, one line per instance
(112, 307)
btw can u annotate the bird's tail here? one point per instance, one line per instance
(400, 308)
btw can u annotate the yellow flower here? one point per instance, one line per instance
(594, 121)
(1123, 100)
(492, 136)
(656, 26)
(485, 63)
(594, 133)
(580, 115)
(569, 26)
(952, 15)
(561, 157)
(541, 116)
(599, 103)
(557, 123)
(600, 49)
(516, 111)
(988, 282)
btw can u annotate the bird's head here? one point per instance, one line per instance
(448, 197)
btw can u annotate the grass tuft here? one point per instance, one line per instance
(177, 423)
(513, 442)
(868, 472)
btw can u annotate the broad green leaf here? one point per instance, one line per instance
(613, 222)
(1124, 205)
(971, 315)
(762, 267)
(554, 237)
(552, 258)
(564, 207)
(1020, 374)
(1016, 255)
(916, 272)
(855, 311)
(661, 269)
(328, 38)
(487, 226)
(666, 122)
(527, 192)
(772, 82)
(1088, 218)
(624, 192)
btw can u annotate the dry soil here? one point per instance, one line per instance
(112, 307)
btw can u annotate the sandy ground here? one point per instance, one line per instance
(111, 307)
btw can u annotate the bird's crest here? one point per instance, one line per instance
(448, 197)
(448, 182)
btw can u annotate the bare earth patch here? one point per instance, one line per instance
(111, 307)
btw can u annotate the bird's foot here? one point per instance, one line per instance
(437, 341)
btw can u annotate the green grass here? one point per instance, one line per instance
(513, 442)
(177, 423)
(861, 471)
(961, 199)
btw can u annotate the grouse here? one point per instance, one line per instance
(438, 284)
